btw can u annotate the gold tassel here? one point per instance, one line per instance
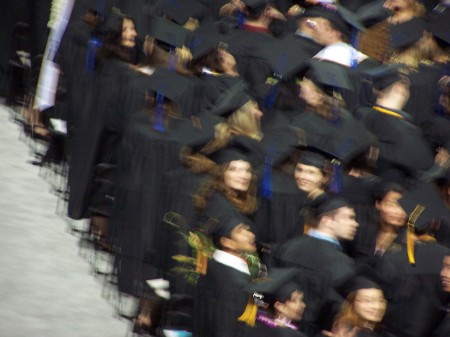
(249, 315)
(201, 263)
(410, 232)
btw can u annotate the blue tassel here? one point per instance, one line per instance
(158, 123)
(336, 177)
(266, 183)
(355, 43)
(269, 100)
(240, 18)
(93, 44)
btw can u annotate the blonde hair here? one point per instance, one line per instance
(241, 122)
(413, 55)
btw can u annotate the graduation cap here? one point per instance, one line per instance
(285, 56)
(256, 6)
(181, 10)
(167, 32)
(231, 100)
(371, 13)
(239, 148)
(224, 224)
(204, 40)
(328, 76)
(407, 33)
(197, 133)
(331, 203)
(358, 282)
(438, 26)
(423, 205)
(166, 84)
(341, 18)
(277, 287)
(169, 83)
(112, 20)
(385, 75)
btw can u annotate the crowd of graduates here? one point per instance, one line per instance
(270, 168)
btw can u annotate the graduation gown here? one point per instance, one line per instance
(220, 299)
(403, 147)
(246, 46)
(324, 269)
(413, 291)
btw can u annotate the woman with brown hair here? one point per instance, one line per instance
(362, 311)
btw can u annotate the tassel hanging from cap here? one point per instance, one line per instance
(355, 40)
(159, 118)
(410, 236)
(249, 315)
(173, 60)
(93, 44)
(266, 183)
(336, 177)
(240, 17)
(335, 111)
(201, 262)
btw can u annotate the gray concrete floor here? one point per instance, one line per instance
(46, 288)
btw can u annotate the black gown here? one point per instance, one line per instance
(413, 291)
(220, 299)
(324, 269)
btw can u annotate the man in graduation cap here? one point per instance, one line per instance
(220, 295)
(320, 258)
(404, 152)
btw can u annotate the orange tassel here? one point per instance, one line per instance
(201, 263)
(249, 315)
(410, 236)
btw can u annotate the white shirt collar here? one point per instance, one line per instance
(231, 261)
(341, 53)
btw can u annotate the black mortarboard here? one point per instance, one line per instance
(438, 26)
(223, 224)
(196, 133)
(112, 21)
(204, 40)
(407, 33)
(170, 84)
(384, 75)
(181, 10)
(256, 5)
(331, 203)
(314, 157)
(231, 100)
(278, 286)
(330, 77)
(285, 56)
(358, 282)
(167, 32)
(239, 148)
(423, 204)
(341, 18)
(372, 13)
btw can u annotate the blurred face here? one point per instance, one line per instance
(324, 33)
(445, 274)
(345, 224)
(293, 308)
(128, 34)
(238, 175)
(309, 178)
(370, 305)
(398, 5)
(391, 213)
(254, 110)
(310, 94)
(241, 240)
